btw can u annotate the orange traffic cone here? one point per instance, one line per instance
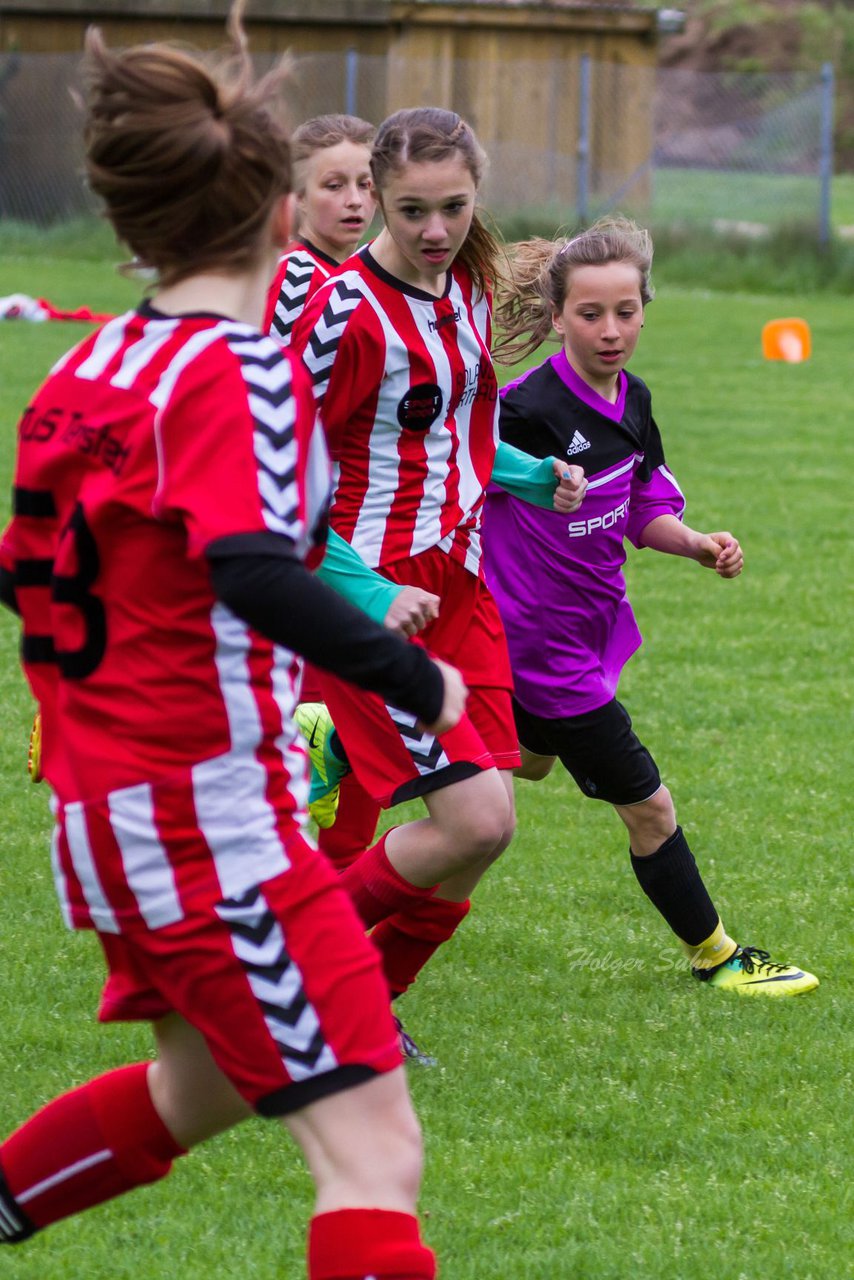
(788, 340)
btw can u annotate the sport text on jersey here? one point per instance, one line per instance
(97, 442)
(581, 528)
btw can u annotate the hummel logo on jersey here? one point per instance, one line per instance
(577, 444)
(435, 325)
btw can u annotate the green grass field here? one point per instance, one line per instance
(700, 195)
(597, 1115)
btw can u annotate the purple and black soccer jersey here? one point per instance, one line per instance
(558, 579)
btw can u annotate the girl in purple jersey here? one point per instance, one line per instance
(581, 404)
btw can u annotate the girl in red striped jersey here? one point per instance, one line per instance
(398, 347)
(169, 497)
(335, 205)
(331, 156)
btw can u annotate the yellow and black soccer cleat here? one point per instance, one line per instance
(751, 972)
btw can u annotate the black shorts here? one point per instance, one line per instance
(600, 749)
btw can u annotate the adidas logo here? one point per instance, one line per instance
(577, 444)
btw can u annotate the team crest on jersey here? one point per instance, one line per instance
(420, 407)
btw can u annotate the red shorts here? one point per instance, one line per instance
(281, 982)
(392, 758)
(310, 684)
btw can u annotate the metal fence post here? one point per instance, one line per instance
(352, 73)
(583, 150)
(551, 129)
(826, 163)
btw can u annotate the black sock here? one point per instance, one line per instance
(671, 880)
(336, 746)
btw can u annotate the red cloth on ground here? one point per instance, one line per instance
(79, 313)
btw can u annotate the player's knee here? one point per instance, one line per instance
(390, 1164)
(662, 813)
(363, 1146)
(507, 833)
(485, 830)
(652, 822)
(534, 768)
(407, 1156)
(498, 848)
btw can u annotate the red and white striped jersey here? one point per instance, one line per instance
(409, 400)
(302, 269)
(153, 438)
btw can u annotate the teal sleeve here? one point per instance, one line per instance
(345, 571)
(531, 479)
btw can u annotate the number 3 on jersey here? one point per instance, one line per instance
(77, 545)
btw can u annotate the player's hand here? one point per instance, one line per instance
(721, 552)
(571, 486)
(410, 610)
(454, 701)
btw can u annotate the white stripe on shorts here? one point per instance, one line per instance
(86, 871)
(238, 822)
(145, 861)
(59, 876)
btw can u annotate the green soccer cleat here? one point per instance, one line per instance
(327, 768)
(751, 972)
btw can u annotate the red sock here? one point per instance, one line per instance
(367, 1244)
(376, 888)
(353, 830)
(87, 1146)
(407, 940)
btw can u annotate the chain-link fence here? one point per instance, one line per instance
(748, 151)
(569, 138)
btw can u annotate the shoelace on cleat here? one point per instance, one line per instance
(410, 1049)
(407, 1044)
(752, 959)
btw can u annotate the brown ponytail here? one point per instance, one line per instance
(188, 153)
(431, 134)
(539, 273)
